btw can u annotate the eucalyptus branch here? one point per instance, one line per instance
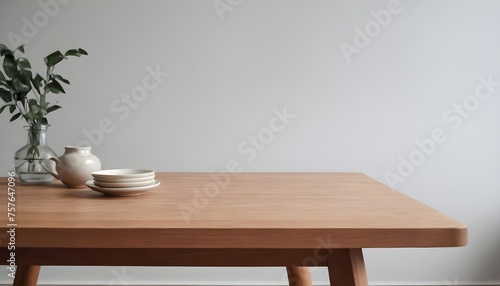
(24, 113)
(36, 95)
(47, 80)
(19, 82)
(35, 92)
(21, 108)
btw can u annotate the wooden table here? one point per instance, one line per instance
(201, 219)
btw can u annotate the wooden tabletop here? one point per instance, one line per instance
(239, 211)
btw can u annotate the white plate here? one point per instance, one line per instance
(122, 173)
(121, 192)
(123, 184)
(126, 180)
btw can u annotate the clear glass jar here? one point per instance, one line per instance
(29, 159)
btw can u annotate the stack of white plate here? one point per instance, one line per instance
(123, 182)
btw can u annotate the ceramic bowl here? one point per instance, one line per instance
(124, 180)
(103, 184)
(122, 174)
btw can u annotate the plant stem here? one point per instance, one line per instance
(42, 96)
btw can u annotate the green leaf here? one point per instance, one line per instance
(72, 52)
(54, 87)
(53, 108)
(35, 113)
(30, 114)
(10, 66)
(21, 97)
(2, 108)
(16, 116)
(76, 52)
(10, 85)
(61, 79)
(44, 121)
(37, 82)
(32, 102)
(4, 50)
(5, 95)
(12, 108)
(35, 109)
(45, 105)
(21, 48)
(5, 85)
(2, 77)
(52, 59)
(25, 67)
(21, 86)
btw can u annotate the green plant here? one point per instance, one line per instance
(26, 92)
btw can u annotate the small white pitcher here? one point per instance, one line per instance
(75, 166)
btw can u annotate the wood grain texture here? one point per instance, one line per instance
(26, 275)
(298, 276)
(346, 267)
(169, 257)
(239, 211)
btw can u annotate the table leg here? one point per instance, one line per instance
(346, 267)
(298, 276)
(26, 275)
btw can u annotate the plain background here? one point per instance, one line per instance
(226, 74)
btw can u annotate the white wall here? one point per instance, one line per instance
(227, 74)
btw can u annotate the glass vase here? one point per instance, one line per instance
(31, 159)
